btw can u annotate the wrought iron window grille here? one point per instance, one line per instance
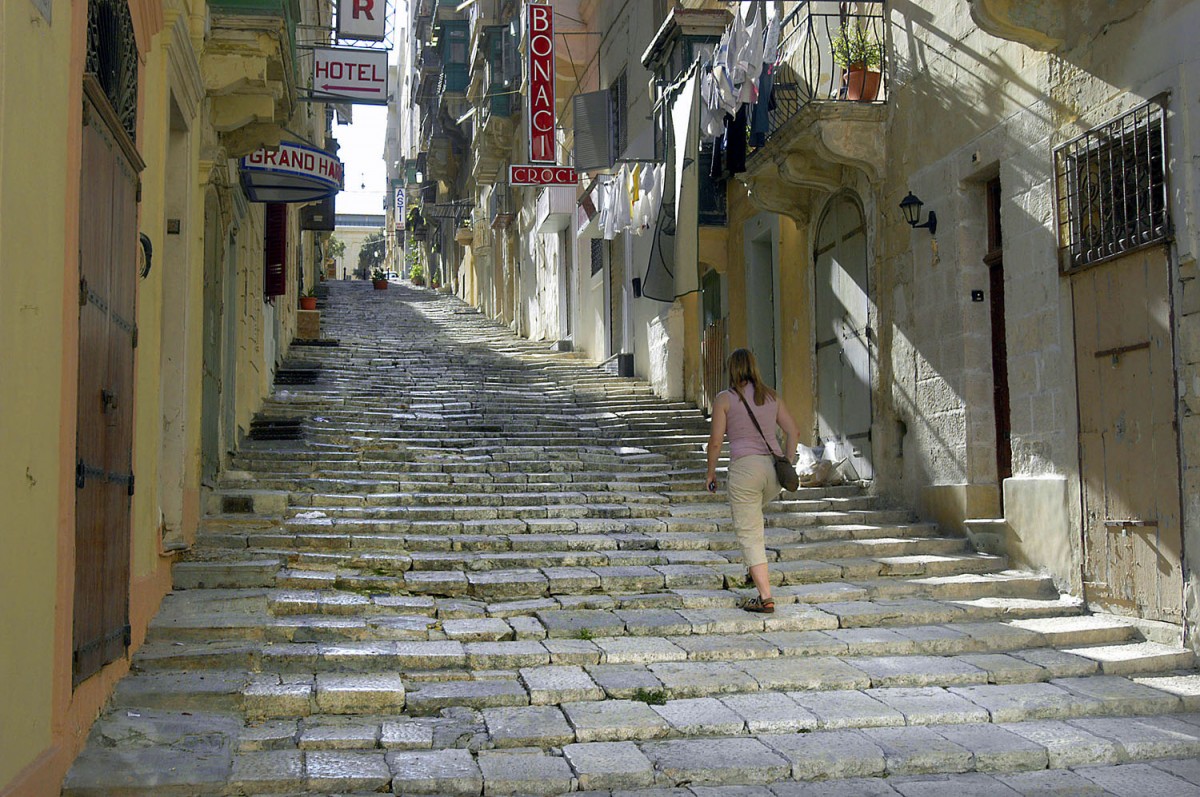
(112, 57)
(1111, 188)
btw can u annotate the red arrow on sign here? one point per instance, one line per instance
(328, 87)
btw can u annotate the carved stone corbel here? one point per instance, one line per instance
(1051, 25)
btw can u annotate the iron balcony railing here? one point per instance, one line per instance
(822, 49)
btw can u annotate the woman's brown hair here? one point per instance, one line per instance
(743, 368)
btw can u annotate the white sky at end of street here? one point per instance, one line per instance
(361, 150)
(361, 154)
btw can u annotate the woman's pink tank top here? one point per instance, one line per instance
(744, 439)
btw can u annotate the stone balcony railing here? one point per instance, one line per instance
(249, 68)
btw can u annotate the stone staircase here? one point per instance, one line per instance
(490, 568)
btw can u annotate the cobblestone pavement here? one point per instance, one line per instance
(489, 569)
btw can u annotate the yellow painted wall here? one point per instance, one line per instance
(148, 404)
(35, 163)
(794, 305)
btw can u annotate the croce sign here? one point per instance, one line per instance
(536, 174)
(541, 84)
(362, 19)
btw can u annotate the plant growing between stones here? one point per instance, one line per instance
(584, 633)
(651, 697)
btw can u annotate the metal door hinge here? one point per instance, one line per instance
(131, 494)
(135, 335)
(80, 474)
(83, 291)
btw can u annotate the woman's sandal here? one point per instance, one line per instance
(760, 605)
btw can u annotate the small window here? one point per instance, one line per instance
(619, 91)
(1112, 188)
(597, 256)
(711, 210)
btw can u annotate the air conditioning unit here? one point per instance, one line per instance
(555, 208)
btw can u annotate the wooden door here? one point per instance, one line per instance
(843, 335)
(104, 432)
(1001, 403)
(1129, 455)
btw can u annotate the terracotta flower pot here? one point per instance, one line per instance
(862, 85)
(308, 302)
(380, 285)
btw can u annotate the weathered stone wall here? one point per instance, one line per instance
(968, 107)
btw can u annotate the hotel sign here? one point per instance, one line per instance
(537, 174)
(350, 74)
(365, 20)
(541, 84)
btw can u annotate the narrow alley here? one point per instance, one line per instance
(489, 567)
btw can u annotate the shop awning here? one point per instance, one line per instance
(291, 173)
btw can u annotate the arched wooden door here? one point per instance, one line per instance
(843, 334)
(108, 266)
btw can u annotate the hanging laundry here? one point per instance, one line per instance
(760, 122)
(735, 143)
(749, 58)
(717, 170)
(771, 41)
(609, 222)
(621, 199)
(712, 117)
(725, 65)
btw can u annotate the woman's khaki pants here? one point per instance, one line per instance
(752, 485)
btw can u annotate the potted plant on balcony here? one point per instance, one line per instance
(464, 234)
(308, 300)
(379, 279)
(859, 54)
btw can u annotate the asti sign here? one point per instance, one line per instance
(541, 83)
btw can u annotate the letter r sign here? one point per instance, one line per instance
(362, 20)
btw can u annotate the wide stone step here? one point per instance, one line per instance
(1136, 755)
(313, 616)
(237, 639)
(693, 697)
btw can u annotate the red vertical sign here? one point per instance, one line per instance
(541, 84)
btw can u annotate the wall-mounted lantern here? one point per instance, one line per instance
(911, 206)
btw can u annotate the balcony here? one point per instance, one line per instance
(830, 98)
(249, 68)
(447, 10)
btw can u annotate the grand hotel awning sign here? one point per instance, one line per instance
(291, 173)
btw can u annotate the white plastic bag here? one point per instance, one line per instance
(806, 460)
